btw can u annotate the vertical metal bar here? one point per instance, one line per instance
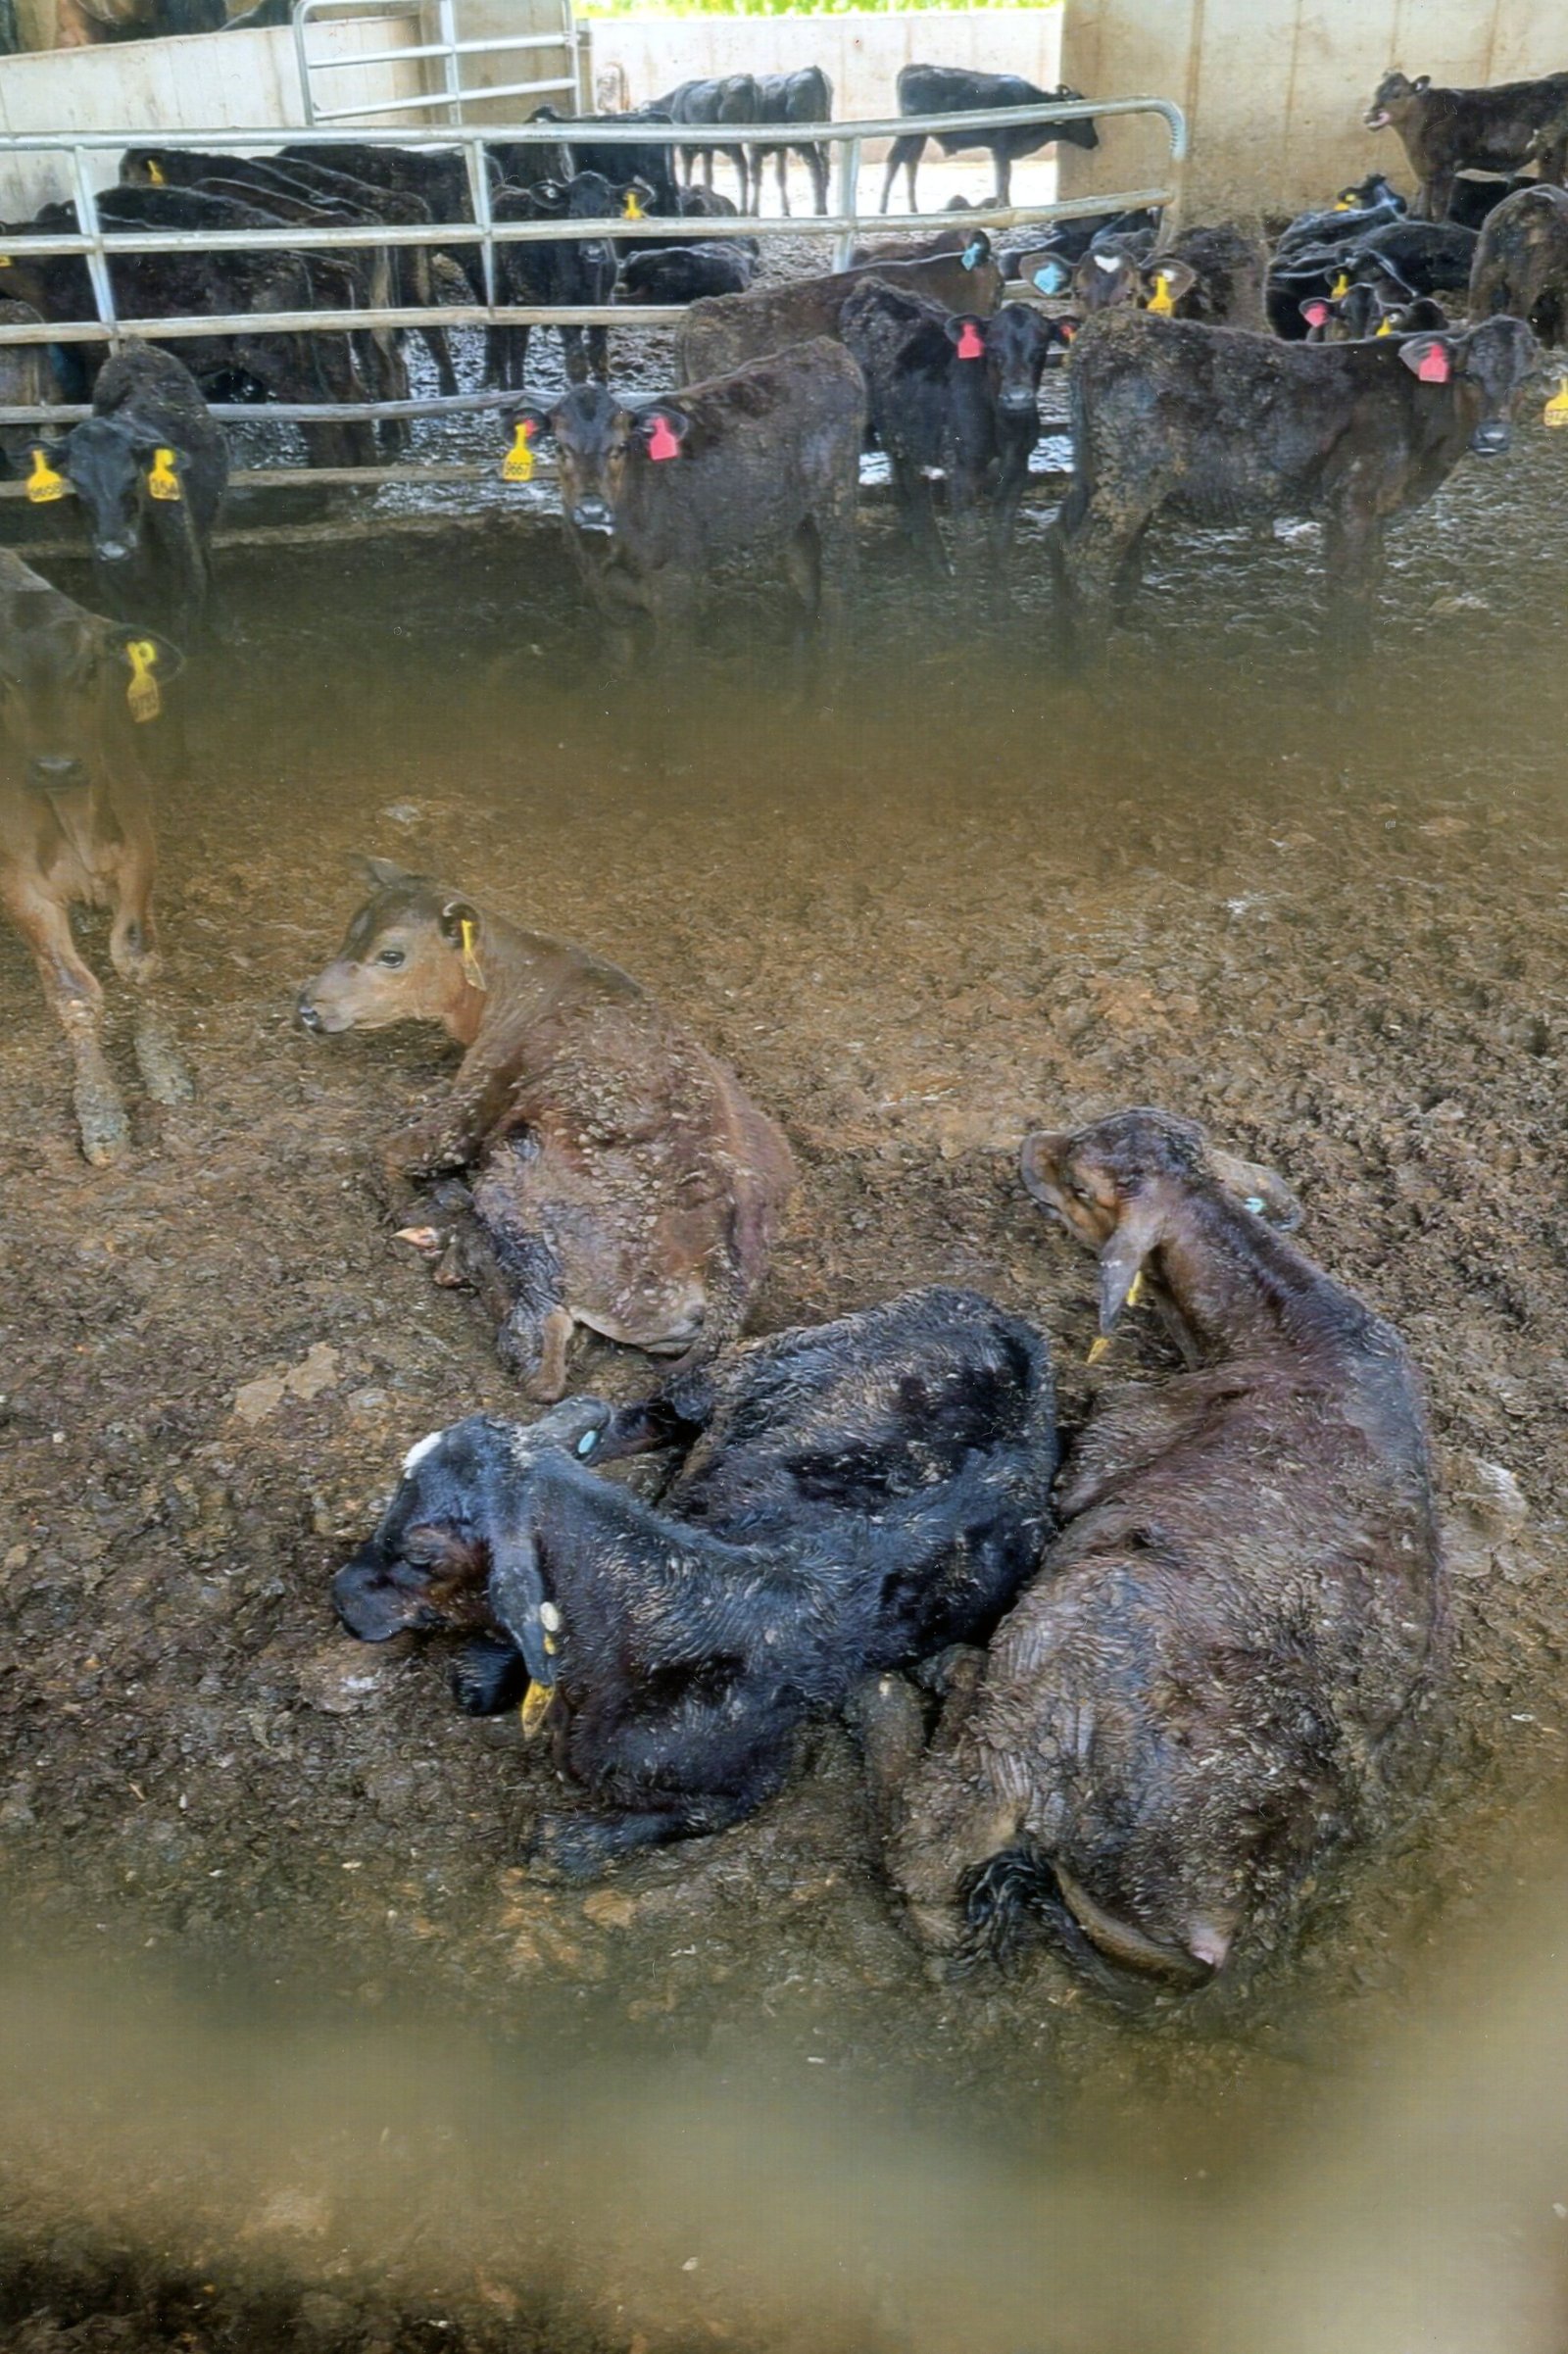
(480, 192)
(847, 202)
(303, 61)
(447, 12)
(97, 260)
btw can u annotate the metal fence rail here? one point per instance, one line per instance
(847, 222)
(448, 48)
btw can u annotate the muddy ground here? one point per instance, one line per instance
(1323, 914)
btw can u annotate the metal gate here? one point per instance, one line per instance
(847, 222)
(441, 58)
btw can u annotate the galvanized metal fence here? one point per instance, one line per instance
(97, 245)
(446, 51)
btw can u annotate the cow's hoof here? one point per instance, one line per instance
(102, 1122)
(566, 1849)
(166, 1074)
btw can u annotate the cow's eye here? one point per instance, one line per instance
(1079, 1193)
(392, 956)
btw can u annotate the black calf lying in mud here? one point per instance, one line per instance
(1196, 1696)
(850, 1498)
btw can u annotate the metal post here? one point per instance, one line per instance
(473, 156)
(848, 199)
(97, 260)
(452, 65)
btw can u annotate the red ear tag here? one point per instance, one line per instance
(1315, 314)
(971, 345)
(1433, 367)
(662, 442)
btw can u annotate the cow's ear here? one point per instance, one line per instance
(530, 413)
(455, 915)
(143, 652)
(549, 195)
(1434, 359)
(1316, 311)
(968, 334)
(1052, 276)
(1422, 82)
(661, 430)
(384, 873)
(1166, 283)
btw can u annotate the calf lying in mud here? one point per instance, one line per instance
(850, 1497)
(76, 826)
(1196, 1696)
(622, 1178)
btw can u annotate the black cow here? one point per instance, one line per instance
(1445, 131)
(1215, 275)
(149, 467)
(649, 159)
(1521, 264)
(1068, 241)
(955, 396)
(1363, 312)
(955, 90)
(849, 1499)
(1402, 259)
(438, 175)
(805, 96)
(1220, 423)
(765, 459)
(689, 273)
(1475, 198)
(552, 273)
(1368, 205)
(732, 100)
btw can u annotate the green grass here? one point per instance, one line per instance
(784, 8)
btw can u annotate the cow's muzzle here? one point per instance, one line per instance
(308, 1014)
(592, 514)
(1017, 400)
(1492, 439)
(55, 773)
(113, 550)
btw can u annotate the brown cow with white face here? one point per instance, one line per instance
(75, 825)
(621, 1179)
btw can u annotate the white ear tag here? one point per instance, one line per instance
(419, 1451)
(1107, 261)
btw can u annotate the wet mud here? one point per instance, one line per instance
(1321, 913)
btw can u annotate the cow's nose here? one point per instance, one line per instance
(53, 770)
(1019, 400)
(1491, 439)
(592, 515)
(306, 1014)
(113, 550)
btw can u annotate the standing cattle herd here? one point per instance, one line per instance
(1171, 1682)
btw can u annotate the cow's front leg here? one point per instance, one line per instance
(134, 953)
(73, 990)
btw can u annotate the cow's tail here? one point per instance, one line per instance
(1013, 1902)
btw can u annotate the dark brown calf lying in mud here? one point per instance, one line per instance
(76, 826)
(1194, 1697)
(622, 1178)
(850, 1498)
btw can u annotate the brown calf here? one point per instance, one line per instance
(76, 824)
(623, 1179)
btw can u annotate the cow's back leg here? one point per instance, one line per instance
(904, 154)
(816, 164)
(598, 339)
(581, 1845)
(1352, 558)
(72, 989)
(571, 355)
(1093, 551)
(438, 344)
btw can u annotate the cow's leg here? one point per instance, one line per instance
(533, 1340)
(1352, 555)
(72, 989)
(1093, 553)
(134, 953)
(1003, 160)
(575, 365)
(803, 565)
(578, 1847)
(1011, 481)
(918, 514)
(837, 560)
(438, 344)
(816, 164)
(599, 354)
(905, 154)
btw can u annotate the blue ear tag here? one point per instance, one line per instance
(973, 253)
(1052, 278)
(587, 1443)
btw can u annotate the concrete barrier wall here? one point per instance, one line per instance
(641, 57)
(1275, 89)
(211, 81)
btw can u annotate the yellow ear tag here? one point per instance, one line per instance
(155, 177)
(1159, 301)
(1340, 288)
(517, 463)
(162, 479)
(6, 261)
(1343, 204)
(1555, 412)
(1135, 1292)
(1385, 326)
(472, 971)
(43, 483)
(534, 1708)
(142, 692)
(632, 209)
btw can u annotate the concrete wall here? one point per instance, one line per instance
(1275, 89)
(211, 81)
(640, 57)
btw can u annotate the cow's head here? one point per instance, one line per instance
(1392, 99)
(67, 678)
(1106, 279)
(1014, 343)
(454, 1524)
(1076, 134)
(596, 440)
(1489, 368)
(113, 469)
(414, 951)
